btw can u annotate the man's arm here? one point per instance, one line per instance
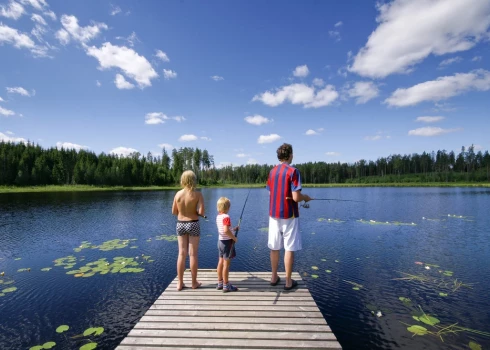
(298, 196)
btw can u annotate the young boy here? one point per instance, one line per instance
(226, 245)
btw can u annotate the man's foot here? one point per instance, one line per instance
(196, 285)
(293, 285)
(180, 286)
(276, 282)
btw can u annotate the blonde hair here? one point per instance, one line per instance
(223, 204)
(188, 180)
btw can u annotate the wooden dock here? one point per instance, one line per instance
(258, 316)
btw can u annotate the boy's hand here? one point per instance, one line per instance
(237, 228)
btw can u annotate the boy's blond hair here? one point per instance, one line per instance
(223, 204)
(188, 180)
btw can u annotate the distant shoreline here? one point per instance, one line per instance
(86, 188)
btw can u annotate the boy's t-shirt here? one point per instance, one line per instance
(223, 220)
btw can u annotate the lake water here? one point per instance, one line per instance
(448, 258)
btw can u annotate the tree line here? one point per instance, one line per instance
(26, 164)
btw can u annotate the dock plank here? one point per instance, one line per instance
(258, 316)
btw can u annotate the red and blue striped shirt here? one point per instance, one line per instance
(282, 182)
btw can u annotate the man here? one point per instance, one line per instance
(284, 185)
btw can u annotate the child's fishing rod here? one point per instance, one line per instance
(243, 209)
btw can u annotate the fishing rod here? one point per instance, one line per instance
(306, 205)
(243, 209)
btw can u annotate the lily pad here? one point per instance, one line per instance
(49, 345)
(17, 258)
(37, 347)
(474, 346)
(314, 276)
(430, 320)
(417, 330)
(323, 259)
(337, 261)
(328, 271)
(24, 269)
(2, 294)
(9, 290)
(314, 267)
(93, 330)
(62, 328)
(89, 346)
(448, 273)
(405, 301)
(442, 294)
(45, 269)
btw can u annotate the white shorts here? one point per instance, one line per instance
(284, 233)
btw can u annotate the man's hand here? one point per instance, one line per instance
(307, 198)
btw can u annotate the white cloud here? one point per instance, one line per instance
(50, 14)
(69, 145)
(6, 138)
(301, 71)
(185, 138)
(14, 10)
(155, 118)
(363, 91)
(38, 19)
(476, 147)
(299, 94)
(123, 151)
(338, 24)
(6, 112)
(167, 146)
(169, 74)
(130, 39)
(441, 89)
(162, 55)
(178, 118)
(251, 161)
(332, 154)
(476, 59)
(318, 82)
(311, 132)
(334, 34)
(20, 41)
(115, 10)
(257, 119)
(98, 83)
(429, 119)
(411, 30)
(9, 132)
(2, 100)
(122, 83)
(242, 155)
(205, 138)
(431, 131)
(372, 138)
(217, 78)
(37, 4)
(133, 65)
(21, 91)
(268, 138)
(73, 31)
(450, 61)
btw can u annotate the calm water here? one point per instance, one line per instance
(39, 228)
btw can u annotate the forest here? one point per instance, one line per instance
(26, 164)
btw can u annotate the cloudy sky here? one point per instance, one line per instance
(340, 80)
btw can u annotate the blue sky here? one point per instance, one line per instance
(339, 80)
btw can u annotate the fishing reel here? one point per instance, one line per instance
(305, 205)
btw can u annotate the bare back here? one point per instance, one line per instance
(187, 205)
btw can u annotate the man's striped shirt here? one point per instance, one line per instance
(282, 182)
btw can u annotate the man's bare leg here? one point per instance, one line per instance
(193, 253)
(183, 246)
(288, 263)
(274, 265)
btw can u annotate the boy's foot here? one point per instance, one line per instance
(220, 285)
(228, 287)
(197, 285)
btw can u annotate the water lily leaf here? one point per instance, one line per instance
(474, 346)
(430, 320)
(9, 290)
(356, 288)
(93, 330)
(323, 259)
(2, 294)
(314, 267)
(314, 276)
(90, 274)
(89, 346)
(79, 274)
(328, 271)
(62, 328)
(448, 273)
(17, 258)
(24, 269)
(406, 301)
(337, 261)
(46, 269)
(37, 347)
(417, 330)
(49, 345)
(443, 294)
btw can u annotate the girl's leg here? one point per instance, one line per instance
(226, 270)
(220, 273)
(193, 253)
(183, 246)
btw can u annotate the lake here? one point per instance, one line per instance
(436, 239)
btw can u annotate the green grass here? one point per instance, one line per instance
(87, 188)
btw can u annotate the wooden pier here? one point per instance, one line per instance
(258, 316)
